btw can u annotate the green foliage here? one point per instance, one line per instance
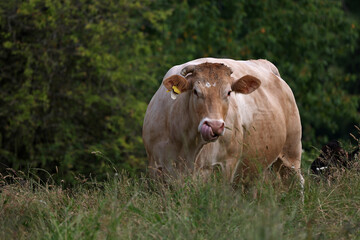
(76, 76)
(70, 87)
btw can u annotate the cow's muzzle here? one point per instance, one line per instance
(210, 129)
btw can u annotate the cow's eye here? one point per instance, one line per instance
(195, 92)
(229, 92)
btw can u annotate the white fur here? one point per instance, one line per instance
(173, 95)
(245, 109)
(321, 168)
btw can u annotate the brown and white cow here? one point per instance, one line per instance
(240, 115)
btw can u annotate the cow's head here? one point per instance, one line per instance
(209, 87)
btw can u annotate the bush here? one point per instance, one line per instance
(74, 80)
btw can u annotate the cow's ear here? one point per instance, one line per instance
(178, 82)
(246, 84)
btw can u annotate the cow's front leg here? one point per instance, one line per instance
(230, 170)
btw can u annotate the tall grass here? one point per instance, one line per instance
(138, 208)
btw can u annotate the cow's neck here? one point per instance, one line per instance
(184, 131)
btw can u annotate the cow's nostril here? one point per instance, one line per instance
(217, 127)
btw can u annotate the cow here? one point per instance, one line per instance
(239, 115)
(333, 157)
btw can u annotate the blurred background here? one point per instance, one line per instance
(76, 75)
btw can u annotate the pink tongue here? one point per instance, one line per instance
(206, 132)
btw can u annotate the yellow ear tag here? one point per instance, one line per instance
(176, 90)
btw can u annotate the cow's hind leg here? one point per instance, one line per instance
(288, 164)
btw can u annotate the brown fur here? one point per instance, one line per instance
(261, 119)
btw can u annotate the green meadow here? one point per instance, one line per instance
(125, 207)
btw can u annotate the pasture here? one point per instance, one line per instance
(125, 207)
(76, 78)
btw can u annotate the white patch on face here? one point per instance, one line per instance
(207, 84)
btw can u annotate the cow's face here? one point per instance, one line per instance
(210, 87)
